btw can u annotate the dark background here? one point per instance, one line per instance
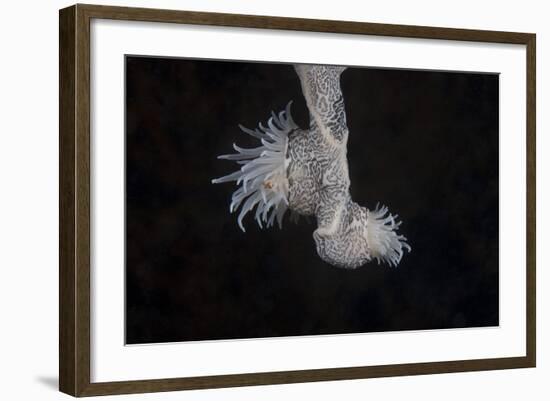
(424, 143)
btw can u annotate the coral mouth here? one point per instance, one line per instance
(262, 179)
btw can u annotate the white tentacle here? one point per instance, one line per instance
(262, 179)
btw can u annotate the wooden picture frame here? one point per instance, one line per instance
(74, 205)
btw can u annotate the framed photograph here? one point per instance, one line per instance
(250, 200)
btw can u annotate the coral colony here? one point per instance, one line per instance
(306, 171)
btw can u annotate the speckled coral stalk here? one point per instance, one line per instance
(306, 171)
